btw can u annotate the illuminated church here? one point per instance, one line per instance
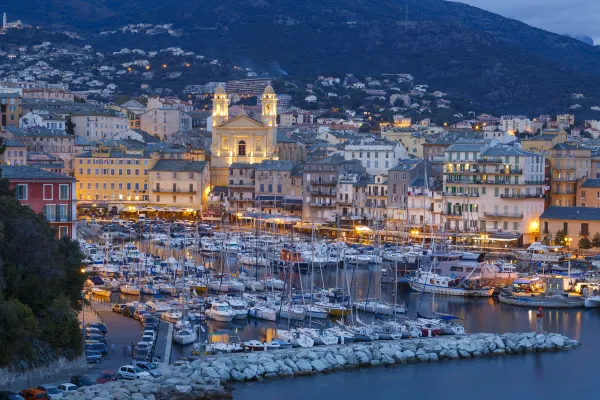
(241, 139)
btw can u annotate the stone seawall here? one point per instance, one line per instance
(203, 378)
(62, 369)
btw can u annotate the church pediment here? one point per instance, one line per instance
(241, 121)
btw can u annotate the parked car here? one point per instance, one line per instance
(97, 346)
(147, 317)
(93, 331)
(150, 319)
(141, 354)
(34, 394)
(106, 376)
(97, 338)
(148, 338)
(67, 387)
(128, 311)
(150, 367)
(139, 314)
(151, 325)
(81, 380)
(52, 391)
(101, 327)
(149, 332)
(8, 395)
(118, 308)
(131, 372)
(93, 356)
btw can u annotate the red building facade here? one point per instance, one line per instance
(47, 193)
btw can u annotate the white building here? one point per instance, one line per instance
(163, 122)
(97, 126)
(50, 121)
(376, 155)
(516, 123)
(494, 189)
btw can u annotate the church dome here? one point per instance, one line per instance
(269, 90)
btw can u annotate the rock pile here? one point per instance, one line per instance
(203, 378)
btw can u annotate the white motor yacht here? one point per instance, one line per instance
(185, 336)
(239, 308)
(220, 312)
(130, 289)
(172, 316)
(262, 312)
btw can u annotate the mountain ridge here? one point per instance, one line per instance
(500, 63)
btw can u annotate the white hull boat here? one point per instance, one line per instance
(264, 313)
(220, 312)
(185, 337)
(129, 289)
(592, 302)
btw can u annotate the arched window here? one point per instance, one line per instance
(241, 148)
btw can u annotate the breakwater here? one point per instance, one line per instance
(203, 378)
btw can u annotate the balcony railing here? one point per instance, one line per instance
(512, 171)
(58, 217)
(564, 193)
(324, 182)
(522, 196)
(489, 161)
(452, 213)
(504, 215)
(320, 193)
(464, 172)
(564, 180)
(584, 233)
(324, 205)
(461, 194)
(344, 203)
(171, 190)
(241, 185)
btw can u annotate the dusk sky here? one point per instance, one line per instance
(560, 16)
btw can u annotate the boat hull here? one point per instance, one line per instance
(420, 287)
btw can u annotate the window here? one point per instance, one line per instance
(48, 192)
(262, 187)
(64, 192)
(174, 199)
(270, 186)
(157, 199)
(21, 192)
(496, 192)
(63, 231)
(278, 188)
(241, 148)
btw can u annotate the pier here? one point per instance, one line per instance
(205, 376)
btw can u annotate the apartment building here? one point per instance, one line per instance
(399, 181)
(164, 122)
(40, 139)
(46, 120)
(241, 187)
(320, 191)
(376, 199)
(588, 193)
(569, 164)
(179, 185)
(48, 94)
(113, 177)
(516, 123)
(578, 222)
(376, 155)
(493, 188)
(296, 117)
(98, 126)
(277, 188)
(14, 154)
(10, 107)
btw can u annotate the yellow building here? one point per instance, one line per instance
(241, 139)
(109, 178)
(412, 140)
(543, 142)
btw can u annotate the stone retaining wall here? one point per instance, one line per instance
(202, 378)
(62, 369)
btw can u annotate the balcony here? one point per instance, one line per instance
(489, 160)
(465, 172)
(324, 183)
(447, 194)
(559, 193)
(573, 180)
(504, 215)
(452, 214)
(322, 205)
(344, 203)
(511, 171)
(518, 196)
(584, 233)
(320, 193)
(564, 168)
(58, 217)
(241, 186)
(174, 191)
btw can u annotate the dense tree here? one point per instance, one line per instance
(40, 284)
(559, 238)
(70, 126)
(596, 240)
(584, 244)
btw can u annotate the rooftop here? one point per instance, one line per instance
(179, 166)
(283, 165)
(26, 172)
(572, 213)
(591, 183)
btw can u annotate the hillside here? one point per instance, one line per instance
(499, 63)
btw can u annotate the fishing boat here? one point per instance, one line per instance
(429, 282)
(220, 312)
(185, 336)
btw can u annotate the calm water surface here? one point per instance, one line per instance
(563, 375)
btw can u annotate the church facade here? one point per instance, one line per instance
(241, 139)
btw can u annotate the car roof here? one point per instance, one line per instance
(127, 366)
(35, 390)
(107, 371)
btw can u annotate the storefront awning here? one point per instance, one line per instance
(266, 197)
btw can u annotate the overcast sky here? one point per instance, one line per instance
(560, 16)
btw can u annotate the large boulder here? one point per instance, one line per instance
(183, 388)
(249, 374)
(363, 357)
(499, 343)
(400, 357)
(318, 365)
(452, 354)
(237, 375)
(304, 365)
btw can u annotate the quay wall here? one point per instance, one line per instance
(60, 370)
(205, 377)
